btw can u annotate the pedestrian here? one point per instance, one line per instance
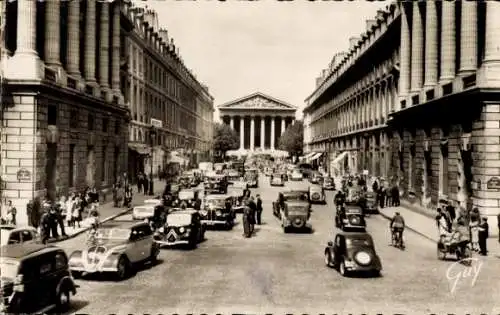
(115, 195)
(77, 213)
(498, 222)
(139, 183)
(69, 210)
(11, 213)
(258, 218)
(145, 185)
(61, 214)
(45, 226)
(128, 197)
(253, 212)
(483, 236)
(451, 210)
(474, 228)
(30, 208)
(381, 196)
(53, 219)
(246, 222)
(441, 222)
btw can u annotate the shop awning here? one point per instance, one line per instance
(309, 155)
(139, 148)
(340, 157)
(316, 156)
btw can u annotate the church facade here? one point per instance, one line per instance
(259, 120)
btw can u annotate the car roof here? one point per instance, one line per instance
(294, 191)
(355, 234)
(214, 197)
(18, 251)
(297, 203)
(184, 211)
(315, 186)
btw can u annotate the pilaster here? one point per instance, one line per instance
(262, 133)
(242, 133)
(468, 37)
(52, 33)
(448, 33)
(73, 51)
(491, 64)
(252, 133)
(405, 53)
(431, 44)
(104, 46)
(417, 49)
(273, 127)
(115, 63)
(90, 42)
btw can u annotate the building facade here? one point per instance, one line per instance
(443, 128)
(164, 93)
(259, 120)
(64, 116)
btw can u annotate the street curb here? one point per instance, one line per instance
(119, 214)
(409, 228)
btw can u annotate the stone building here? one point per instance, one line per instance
(64, 116)
(443, 132)
(164, 92)
(259, 120)
(346, 116)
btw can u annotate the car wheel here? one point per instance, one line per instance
(328, 259)
(342, 269)
(122, 268)
(63, 300)
(285, 229)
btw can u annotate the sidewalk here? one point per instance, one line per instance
(107, 212)
(425, 226)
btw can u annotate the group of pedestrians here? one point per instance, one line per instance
(252, 213)
(8, 213)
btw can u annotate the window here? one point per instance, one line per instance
(90, 122)
(52, 115)
(27, 236)
(105, 123)
(60, 261)
(15, 238)
(71, 166)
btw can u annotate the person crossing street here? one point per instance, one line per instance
(259, 210)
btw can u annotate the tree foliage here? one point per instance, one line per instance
(292, 140)
(225, 139)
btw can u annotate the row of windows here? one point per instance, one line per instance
(74, 120)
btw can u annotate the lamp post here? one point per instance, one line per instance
(152, 135)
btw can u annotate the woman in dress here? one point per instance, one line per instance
(474, 228)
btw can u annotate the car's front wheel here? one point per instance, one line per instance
(328, 259)
(122, 269)
(342, 269)
(63, 300)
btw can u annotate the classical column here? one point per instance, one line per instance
(90, 42)
(405, 53)
(468, 37)
(448, 33)
(231, 122)
(115, 62)
(52, 32)
(283, 122)
(104, 46)
(272, 132)
(252, 133)
(431, 44)
(73, 49)
(492, 43)
(417, 49)
(262, 132)
(242, 133)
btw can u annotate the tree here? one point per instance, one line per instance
(225, 139)
(292, 140)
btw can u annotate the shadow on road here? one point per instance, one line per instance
(76, 305)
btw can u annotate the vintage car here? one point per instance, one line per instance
(295, 215)
(328, 183)
(218, 211)
(183, 227)
(35, 279)
(190, 197)
(252, 178)
(185, 181)
(353, 252)
(291, 195)
(315, 178)
(116, 250)
(350, 217)
(317, 194)
(237, 195)
(215, 183)
(10, 234)
(233, 176)
(296, 175)
(277, 179)
(370, 199)
(147, 210)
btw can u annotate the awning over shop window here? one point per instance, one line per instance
(340, 157)
(139, 148)
(316, 156)
(309, 155)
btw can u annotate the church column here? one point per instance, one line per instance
(242, 133)
(272, 132)
(262, 132)
(283, 122)
(405, 56)
(52, 33)
(431, 44)
(468, 37)
(90, 42)
(417, 49)
(492, 43)
(448, 33)
(252, 133)
(104, 46)
(73, 63)
(231, 122)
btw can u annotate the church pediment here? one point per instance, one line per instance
(257, 101)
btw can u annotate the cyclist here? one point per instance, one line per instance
(397, 227)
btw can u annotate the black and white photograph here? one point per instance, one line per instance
(245, 157)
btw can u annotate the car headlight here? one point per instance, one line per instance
(161, 229)
(363, 258)
(182, 229)
(218, 213)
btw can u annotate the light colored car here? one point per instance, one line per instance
(296, 175)
(116, 250)
(147, 210)
(10, 234)
(317, 194)
(277, 180)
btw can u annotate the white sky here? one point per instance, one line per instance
(277, 48)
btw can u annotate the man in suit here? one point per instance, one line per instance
(259, 210)
(483, 236)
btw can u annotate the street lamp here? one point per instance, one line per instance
(152, 136)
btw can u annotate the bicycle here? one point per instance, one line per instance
(397, 238)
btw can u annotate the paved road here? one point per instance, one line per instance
(285, 273)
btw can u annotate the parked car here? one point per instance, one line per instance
(295, 215)
(350, 217)
(277, 180)
(183, 227)
(35, 279)
(116, 250)
(296, 175)
(10, 234)
(290, 195)
(218, 211)
(317, 194)
(147, 210)
(215, 183)
(328, 183)
(353, 252)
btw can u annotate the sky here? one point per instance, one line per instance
(275, 47)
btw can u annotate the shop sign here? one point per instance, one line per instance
(493, 183)
(23, 175)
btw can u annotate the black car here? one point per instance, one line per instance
(182, 227)
(35, 279)
(328, 183)
(215, 183)
(291, 195)
(350, 217)
(295, 215)
(218, 211)
(353, 252)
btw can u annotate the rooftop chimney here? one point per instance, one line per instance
(370, 24)
(163, 34)
(353, 41)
